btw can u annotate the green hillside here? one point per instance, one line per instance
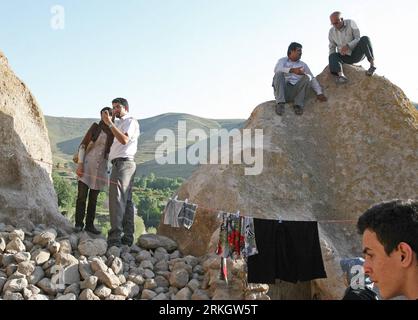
(65, 135)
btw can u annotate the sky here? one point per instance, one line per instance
(210, 58)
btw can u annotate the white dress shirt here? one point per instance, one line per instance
(130, 126)
(285, 64)
(348, 35)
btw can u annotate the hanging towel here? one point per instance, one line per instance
(250, 245)
(187, 214)
(288, 250)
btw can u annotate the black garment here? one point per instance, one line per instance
(363, 48)
(288, 250)
(80, 209)
(359, 294)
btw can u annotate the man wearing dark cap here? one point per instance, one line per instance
(122, 155)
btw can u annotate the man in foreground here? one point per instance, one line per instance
(390, 246)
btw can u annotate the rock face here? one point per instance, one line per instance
(26, 191)
(332, 163)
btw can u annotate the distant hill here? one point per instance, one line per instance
(65, 135)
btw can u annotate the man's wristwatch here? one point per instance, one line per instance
(111, 126)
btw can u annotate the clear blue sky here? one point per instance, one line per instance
(211, 58)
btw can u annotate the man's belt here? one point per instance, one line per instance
(121, 159)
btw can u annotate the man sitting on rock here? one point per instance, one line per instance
(292, 78)
(346, 46)
(390, 246)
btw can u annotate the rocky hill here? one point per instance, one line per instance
(329, 165)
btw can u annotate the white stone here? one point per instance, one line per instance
(22, 256)
(68, 296)
(40, 256)
(117, 266)
(88, 294)
(15, 245)
(102, 292)
(129, 290)
(92, 247)
(108, 279)
(15, 285)
(89, 283)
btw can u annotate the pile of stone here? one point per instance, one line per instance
(47, 264)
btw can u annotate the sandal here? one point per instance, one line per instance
(371, 71)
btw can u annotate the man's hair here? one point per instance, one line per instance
(336, 13)
(293, 46)
(393, 222)
(123, 102)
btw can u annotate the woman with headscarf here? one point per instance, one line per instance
(92, 172)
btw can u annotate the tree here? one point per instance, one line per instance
(66, 192)
(151, 177)
(149, 210)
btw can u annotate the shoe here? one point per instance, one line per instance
(298, 110)
(126, 242)
(78, 229)
(92, 229)
(280, 108)
(341, 79)
(371, 71)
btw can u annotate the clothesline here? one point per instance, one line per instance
(217, 211)
(213, 210)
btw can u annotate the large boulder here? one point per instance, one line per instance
(329, 165)
(27, 194)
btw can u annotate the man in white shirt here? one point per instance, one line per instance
(122, 154)
(346, 46)
(292, 78)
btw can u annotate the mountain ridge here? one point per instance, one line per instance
(66, 133)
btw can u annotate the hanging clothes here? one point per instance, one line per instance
(236, 239)
(288, 250)
(250, 245)
(231, 240)
(187, 214)
(171, 212)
